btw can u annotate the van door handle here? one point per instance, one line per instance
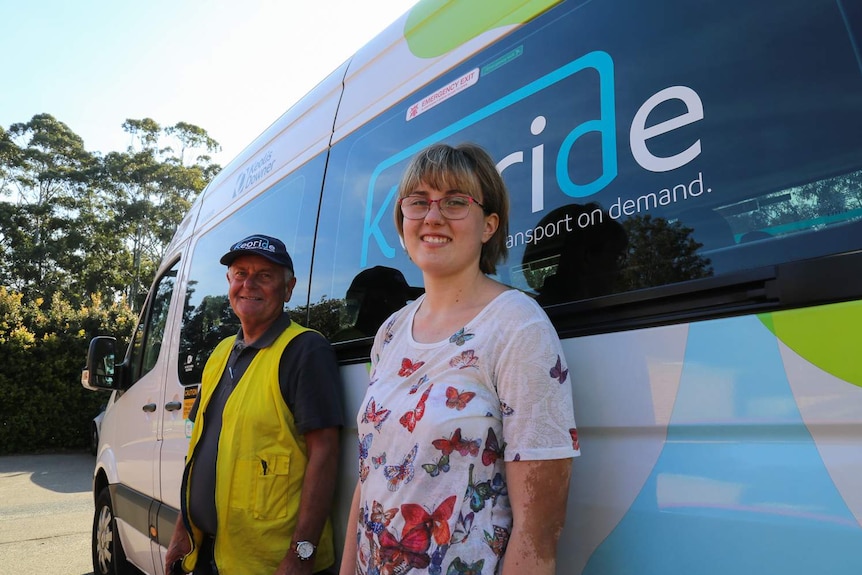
(149, 408)
(173, 405)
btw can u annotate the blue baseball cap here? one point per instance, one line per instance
(268, 247)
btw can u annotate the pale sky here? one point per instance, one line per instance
(230, 67)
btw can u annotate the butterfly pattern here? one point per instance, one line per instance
(411, 418)
(557, 372)
(480, 493)
(410, 552)
(401, 473)
(458, 400)
(433, 454)
(374, 416)
(457, 443)
(459, 567)
(379, 519)
(498, 541)
(437, 521)
(573, 433)
(460, 337)
(436, 566)
(419, 383)
(463, 527)
(408, 367)
(388, 334)
(493, 450)
(465, 359)
(441, 466)
(364, 446)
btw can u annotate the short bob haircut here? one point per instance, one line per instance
(470, 170)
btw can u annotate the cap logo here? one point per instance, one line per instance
(254, 244)
(270, 248)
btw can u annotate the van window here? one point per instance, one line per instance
(150, 332)
(638, 151)
(288, 211)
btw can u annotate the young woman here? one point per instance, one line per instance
(466, 433)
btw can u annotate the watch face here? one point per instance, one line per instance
(304, 549)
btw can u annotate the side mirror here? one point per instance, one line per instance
(101, 372)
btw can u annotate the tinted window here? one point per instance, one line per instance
(150, 332)
(659, 147)
(288, 211)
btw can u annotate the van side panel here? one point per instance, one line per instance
(714, 436)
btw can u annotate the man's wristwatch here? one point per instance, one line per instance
(304, 550)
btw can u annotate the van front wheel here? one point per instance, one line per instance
(108, 555)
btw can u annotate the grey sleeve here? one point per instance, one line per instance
(193, 412)
(310, 383)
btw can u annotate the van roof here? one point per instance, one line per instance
(419, 46)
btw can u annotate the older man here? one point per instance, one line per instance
(261, 467)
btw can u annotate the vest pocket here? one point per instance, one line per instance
(271, 487)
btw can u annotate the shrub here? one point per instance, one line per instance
(43, 349)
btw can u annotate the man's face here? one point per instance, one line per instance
(257, 290)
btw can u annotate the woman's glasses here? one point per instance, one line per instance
(451, 207)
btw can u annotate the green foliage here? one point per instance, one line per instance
(75, 223)
(324, 316)
(79, 222)
(42, 403)
(660, 253)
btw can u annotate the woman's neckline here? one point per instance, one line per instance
(442, 335)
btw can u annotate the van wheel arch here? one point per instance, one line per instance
(108, 555)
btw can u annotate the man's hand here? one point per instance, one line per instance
(293, 565)
(179, 547)
(318, 488)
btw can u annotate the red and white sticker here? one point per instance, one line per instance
(454, 87)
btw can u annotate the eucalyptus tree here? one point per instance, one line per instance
(81, 223)
(49, 169)
(153, 185)
(660, 252)
(10, 158)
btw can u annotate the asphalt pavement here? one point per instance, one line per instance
(46, 514)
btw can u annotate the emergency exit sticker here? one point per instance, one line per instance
(454, 87)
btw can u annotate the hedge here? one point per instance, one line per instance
(43, 348)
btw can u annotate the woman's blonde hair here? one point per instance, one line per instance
(469, 169)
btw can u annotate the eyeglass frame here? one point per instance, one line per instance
(470, 200)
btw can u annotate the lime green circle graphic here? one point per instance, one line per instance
(829, 337)
(435, 27)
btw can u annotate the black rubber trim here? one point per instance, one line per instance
(131, 506)
(804, 283)
(141, 512)
(165, 519)
(791, 285)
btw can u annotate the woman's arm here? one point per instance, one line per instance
(348, 557)
(538, 492)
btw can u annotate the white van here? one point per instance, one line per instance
(686, 182)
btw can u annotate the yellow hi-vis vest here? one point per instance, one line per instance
(259, 469)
